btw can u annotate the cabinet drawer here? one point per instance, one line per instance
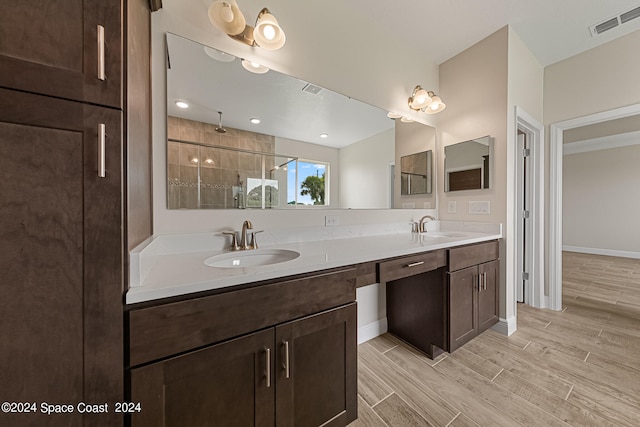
(160, 331)
(466, 256)
(398, 268)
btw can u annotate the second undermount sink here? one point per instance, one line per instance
(251, 258)
(444, 234)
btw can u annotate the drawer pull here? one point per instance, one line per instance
(267, 362)
(101, 68)
(102, 136)
(415, 264)
(287, 370)
(484, 281)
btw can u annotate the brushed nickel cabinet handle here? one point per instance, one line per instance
(101, 68)
(102, 143)
(267, 362)
(415, 264)
(484, 281)
(287, 369)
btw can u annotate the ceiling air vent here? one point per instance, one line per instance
(311, 88)
(632, 14)
(610, 23)
(604, 26)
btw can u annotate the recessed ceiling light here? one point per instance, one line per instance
(406, 120)
(182, 104)
(254, 120)
(393, 115)
(324, 135)
(218, 55)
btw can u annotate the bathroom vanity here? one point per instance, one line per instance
(278, 346)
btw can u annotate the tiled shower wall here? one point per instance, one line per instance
(203, 176)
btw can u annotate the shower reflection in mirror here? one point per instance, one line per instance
(415, 173)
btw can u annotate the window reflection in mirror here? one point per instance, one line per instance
(467, 165)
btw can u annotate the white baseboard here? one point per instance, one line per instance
(506, 326)
(597, 251)
(372, 330)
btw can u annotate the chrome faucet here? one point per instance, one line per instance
(243, 239)
(422, 226)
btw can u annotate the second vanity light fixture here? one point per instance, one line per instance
(426, 101)
(226, 16)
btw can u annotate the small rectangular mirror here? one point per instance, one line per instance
(415, 173)
(467, 165)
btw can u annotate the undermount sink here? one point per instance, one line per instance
(251, 258)
(444, 234)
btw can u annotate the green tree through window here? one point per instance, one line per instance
(314, 187)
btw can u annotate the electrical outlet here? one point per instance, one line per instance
(451, 207)
(331, 220)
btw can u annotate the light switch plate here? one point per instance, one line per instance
(480, 208)
(451, 207)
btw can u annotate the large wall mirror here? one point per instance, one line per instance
(269, 140)
(467, 165)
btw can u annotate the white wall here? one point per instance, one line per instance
(364, 172)
(595, 81)
(474, 85)
(601, 201)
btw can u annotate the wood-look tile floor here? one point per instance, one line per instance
(578, 367)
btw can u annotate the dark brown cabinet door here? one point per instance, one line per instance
(56, 48)
(463, 310)
(316, 371)
(223, 385)
(488, 296)
(61, 263)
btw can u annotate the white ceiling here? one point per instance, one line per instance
(552, 29)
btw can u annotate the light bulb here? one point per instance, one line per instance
(269, 32)
(227, 13)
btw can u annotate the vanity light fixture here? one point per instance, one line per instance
(436, 105)
(419, 98)
(426, 101)
(254, 67)
(182, 104)
(226, 16)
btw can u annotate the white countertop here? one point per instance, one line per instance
(167, 266)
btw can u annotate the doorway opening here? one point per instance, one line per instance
(528, 215)
(555, 196)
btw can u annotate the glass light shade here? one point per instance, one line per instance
(419, 99)
(436, 106)
(254, 67)
(225, 16)
(268, 34)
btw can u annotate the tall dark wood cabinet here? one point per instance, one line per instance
(63, 215)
